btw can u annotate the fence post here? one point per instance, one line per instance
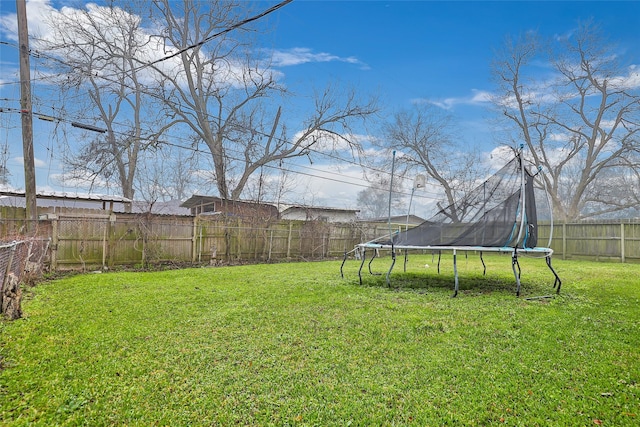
(564, 240)
(324, 247)
(111, 239)
(105, 251)
(289, 240)
(622, 255)
(194, 230)
(144, 247)
(54, 242)
(239, 239)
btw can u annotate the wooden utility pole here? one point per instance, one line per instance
(27, 117)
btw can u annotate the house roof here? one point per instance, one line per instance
(58, 195)
(199, 200)
(396, 219)
(319, 209)
(171, 207)
(54, 199)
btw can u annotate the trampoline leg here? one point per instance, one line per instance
(557, 282)
(375, 254)
(484, 267)
(364, 256)
(393, 262)
(455, 274)
(514, 263)
(342, 265)
(439, 255)
(406, 254)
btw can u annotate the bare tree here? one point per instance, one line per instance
(426, 144)
(270, 185)
(94, 50)
(581, 124)
(165, 173)
(373, 201)
(218, 90)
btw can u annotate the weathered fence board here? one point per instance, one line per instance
(97, 239)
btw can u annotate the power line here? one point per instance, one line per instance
(212, 117)
(328, 155)
(291, 167)
(208, 115)
(211, 37)
(242, 23)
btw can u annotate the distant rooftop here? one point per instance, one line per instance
(284, 207)
(69, 196)
(64, 199)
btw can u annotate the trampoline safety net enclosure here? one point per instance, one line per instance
(497, 216)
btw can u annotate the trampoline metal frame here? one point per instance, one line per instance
(514, 252)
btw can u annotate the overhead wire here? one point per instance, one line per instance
(212, 117)
(36, 53)
(229, 150)
(208, 115)
(291, 167)
(211, 37)
(310, 149)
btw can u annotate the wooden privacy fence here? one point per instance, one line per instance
(92, 240)
(614, 240)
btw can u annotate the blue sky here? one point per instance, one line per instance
(440, 51)
(402, 51)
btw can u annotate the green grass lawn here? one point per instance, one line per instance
(295, 344)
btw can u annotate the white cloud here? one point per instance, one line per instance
(72, 181)
(630, 81)
(150, 48)
(498, 157)
(9, 73)
(329, 185)
(37, 162)
(303, 55)
(543, 92)
(374, 153)
(477, 97)
(564, 36)
(559, 137)
(331, 142)
(37, 13)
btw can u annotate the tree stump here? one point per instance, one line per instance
(12, 298)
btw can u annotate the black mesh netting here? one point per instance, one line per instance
(489, 216)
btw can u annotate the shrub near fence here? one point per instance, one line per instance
(92, 240)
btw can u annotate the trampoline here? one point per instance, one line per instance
(498, 216)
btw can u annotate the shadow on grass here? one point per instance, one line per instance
(474, 284)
